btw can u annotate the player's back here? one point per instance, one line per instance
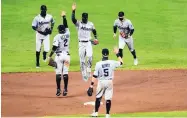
(62, 41)
(106, 69)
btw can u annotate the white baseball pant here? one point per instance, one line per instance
(62, 66)
(104, 88)
(128, 41)
(42, 39)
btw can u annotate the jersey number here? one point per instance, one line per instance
(106, 73)
(65, 42)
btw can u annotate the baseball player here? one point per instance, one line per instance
(85, 28)
(126, 30)
(62, 58)
(104, 72)
(43, 25)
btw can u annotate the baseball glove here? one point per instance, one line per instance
(124, 35)
(90, 91)
(95, 42)
(52, 63)
(48, 31)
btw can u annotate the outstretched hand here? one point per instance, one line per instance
(74, 6)
(116, 50)
(63, 13)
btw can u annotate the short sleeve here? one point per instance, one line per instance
(93, 27)
(67, 30)
(96, 72)
(130, 25)
(115, 23)
(35, 22)
(77, 24)
(55, 41)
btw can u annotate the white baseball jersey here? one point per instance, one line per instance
(124, 25)
(84, 30)
(62, 41)
(42, 23)
(104, 70)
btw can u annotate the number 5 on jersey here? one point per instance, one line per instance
(106, 73)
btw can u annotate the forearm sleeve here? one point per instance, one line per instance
(131, 32)
(115, 29)
(34, 28)
(94, 33)
(74, 20)
(65, 22)
(53, 50)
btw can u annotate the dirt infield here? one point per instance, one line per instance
(33, 94)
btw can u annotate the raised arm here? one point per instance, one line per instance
(74, 20)
(64, 19)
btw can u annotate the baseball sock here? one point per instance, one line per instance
(58, 80)
(44, 55)
(121, 53)
(97, 104)
(134, 54)
(108, 106)
(37, 58)
(65, 76)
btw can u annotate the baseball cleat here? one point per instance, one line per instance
(107, 116)
(85, 78)
(45, 60)
(65, 92)
(58, 92)
(94, 114)
(37, 67)
(135, 61)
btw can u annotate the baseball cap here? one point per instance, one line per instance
(105, 52)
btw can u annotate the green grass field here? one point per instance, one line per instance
(159, 38)
(144, 114)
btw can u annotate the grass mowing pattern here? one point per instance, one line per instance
(159, 38)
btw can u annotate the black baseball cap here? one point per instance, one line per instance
(105, 52)
(85, 15)
(61, 28)
(43, 7)
(121, 14)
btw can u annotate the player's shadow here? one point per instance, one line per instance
(40, 96)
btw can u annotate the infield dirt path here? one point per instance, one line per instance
(33, 94)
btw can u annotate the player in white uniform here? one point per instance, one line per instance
(104, 72)
(43, 25)
(126, 30)
(62, 58)
(85, 28)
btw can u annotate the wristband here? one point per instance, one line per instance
(117, 55)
